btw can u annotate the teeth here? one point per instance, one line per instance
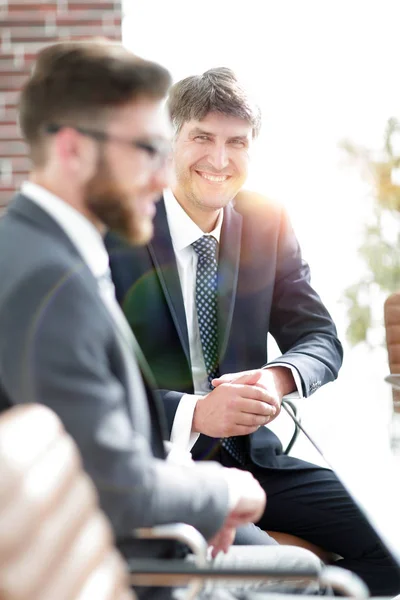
(216, 178)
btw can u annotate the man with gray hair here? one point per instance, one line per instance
(223, 270)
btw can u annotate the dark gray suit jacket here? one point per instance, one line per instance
(59, 347)
(263, 286)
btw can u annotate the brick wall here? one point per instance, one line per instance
(25, 27)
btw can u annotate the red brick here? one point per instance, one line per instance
(20, 164)
(14, 148)
(63, 22)
(41, 32)
(25, 17)
(33, 32)
(32, 48)
(10, 98)
(17, 180)
(20, 35)
(11, 56)
(7, 116)
(12, 82)
(13, 65)
(5, 195)
(83, 4)
(15, 6)
(9, 132)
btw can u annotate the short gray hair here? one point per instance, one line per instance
(216, 90)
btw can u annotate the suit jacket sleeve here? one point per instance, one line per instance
(300, 323)
(56, 351)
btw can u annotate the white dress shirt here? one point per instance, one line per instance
(183, 233)
(82, 233)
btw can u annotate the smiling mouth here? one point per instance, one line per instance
(213, 178)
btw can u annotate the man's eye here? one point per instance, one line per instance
(238, 143)
(201, 138)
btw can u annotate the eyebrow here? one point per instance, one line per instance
(199, 131)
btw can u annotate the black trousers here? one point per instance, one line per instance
(314, 505)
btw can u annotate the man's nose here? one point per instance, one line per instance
(218, 157)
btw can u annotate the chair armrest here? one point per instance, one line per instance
(181, 532)
(394, 380)
(178, 572)
(174, 573)
(343, 581)
(185, 534)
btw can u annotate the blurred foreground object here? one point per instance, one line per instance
(55, 543)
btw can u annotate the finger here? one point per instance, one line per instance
(255, 407)
(216, 544)
(247, 377)
(255, 392)
(242, 518)
(230, 538)
(226, 378)
(249, 420)
(222, 541)
(225, 544)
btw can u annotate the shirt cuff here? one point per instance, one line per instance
(178, 455)
(181, 433)
(296, 376)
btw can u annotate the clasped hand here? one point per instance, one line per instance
(239, 404)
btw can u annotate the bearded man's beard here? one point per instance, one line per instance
(114, 208)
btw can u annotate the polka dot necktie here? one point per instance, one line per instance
(207, 316)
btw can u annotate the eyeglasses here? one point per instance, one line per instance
(158, 152)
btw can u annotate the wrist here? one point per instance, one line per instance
(196, 421)
(283, 380)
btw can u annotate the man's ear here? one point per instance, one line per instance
(77, 153)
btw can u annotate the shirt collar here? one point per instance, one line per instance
(82, 233)
(183, 230)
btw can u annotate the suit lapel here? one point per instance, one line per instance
(163, 256)
(228, 269)
(24, 207)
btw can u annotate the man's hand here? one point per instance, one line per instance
(234, 409)
(275, 381)
(222, 541)
(251, 498)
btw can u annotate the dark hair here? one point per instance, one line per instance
(217, 90)
(80, 82)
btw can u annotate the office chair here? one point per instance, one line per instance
(55, 543)
(392, 328)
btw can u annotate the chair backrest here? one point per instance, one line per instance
(392, 325)
(54, 540)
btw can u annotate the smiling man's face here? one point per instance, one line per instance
(210, 161)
